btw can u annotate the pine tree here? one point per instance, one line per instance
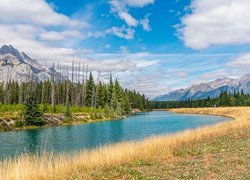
(32, 114)
(100, 96)
(68, 112)
(110, 90)
(120, 97)
(90, 91)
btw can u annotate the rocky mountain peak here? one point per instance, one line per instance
(19, 66)
(5, 50)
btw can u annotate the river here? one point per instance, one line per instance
(86, 136)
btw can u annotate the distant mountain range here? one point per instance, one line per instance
(211, 89)
(15, 65)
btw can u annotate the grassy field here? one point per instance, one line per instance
(219, 151)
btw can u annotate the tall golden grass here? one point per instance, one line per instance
(64, 166)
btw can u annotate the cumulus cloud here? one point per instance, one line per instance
(30, 26)
(37, 12)
(24, 37)
(216, 22)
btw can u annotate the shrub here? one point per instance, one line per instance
(19, 123)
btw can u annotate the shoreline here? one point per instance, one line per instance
(75, 121)
(154, 148)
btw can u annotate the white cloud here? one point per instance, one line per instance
(242, 63)
(145, 23)
(31, 26)
(128, 19)
(25, 38)
(123, 32)
(120, 63)
(216, 22)
(139, 3)
(32, 11)
(59, 36)
(121, 8)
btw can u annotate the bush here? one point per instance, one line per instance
(19, 123)
(32, 114)
(68, 112)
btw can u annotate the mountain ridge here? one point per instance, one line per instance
(20, 67)
(210, 89)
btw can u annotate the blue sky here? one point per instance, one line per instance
(153, 46)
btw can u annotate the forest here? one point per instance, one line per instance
(65, 96)
(225, 99)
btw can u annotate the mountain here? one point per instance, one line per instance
(18, 66)
(211, 89)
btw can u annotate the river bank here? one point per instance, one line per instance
(11, 121)
(123, 159)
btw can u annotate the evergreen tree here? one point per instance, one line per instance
(32, 114)
(120, 97)
(110, 89)
(68, 112)
(100, 96)
(90, 91)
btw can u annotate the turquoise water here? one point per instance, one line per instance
(87, 136)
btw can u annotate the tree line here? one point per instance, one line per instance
(89, 93)
(225, 99)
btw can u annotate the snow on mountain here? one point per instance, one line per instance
(20, 67)
(211, 89)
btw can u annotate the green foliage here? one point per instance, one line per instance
(10, 108)
(90, 89)
(32, 114)
(109, 100)
(68, 112)
(44, 108)
(19, 123)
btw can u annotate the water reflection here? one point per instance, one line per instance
(32, 138)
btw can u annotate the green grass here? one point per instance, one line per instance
(225, 157)
(10, 108)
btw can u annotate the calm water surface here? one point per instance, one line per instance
(87, 136)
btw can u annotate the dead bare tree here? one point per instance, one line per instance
(53, 99)
(72, 82)
(96, 90)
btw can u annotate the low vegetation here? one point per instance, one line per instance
(208, 151)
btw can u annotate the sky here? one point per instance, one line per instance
(152, 46)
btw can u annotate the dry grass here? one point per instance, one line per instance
(68, 166)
